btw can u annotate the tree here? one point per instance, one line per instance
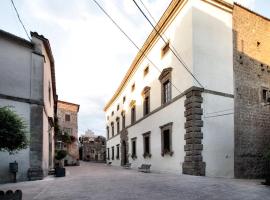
(12, 131)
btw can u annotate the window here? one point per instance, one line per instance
(112, 113)
(67, 131)
(117, 151)
(166, 139)
(165, 49)
(112, 153)
(133, 145)
(112, 125)
(108, 153)
(118, 125)
(133, 87)
(123, 119)
(165, 80)
(108, 118)
(50, 92)
(67, 117)
(124, 99)
(133, 114)
(265, 95)
(166, 91)
(118, 106)
(108, 132)
(146, 145)
(146, 71)
(146, 100)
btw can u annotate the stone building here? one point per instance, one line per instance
(27, 84)
(93, 148)
(196, 103)
(67, 114)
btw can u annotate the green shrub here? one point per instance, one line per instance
(12, 131)
(60, 154)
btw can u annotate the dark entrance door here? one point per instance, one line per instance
(124, 150)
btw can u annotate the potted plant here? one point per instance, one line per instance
(60, 171)
(12, 135)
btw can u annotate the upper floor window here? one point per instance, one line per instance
(166, 91)
(133, 87)
(108, 132)
(112, 113)
(165, 80)
(133, 111)
(165, 49)
(67, 131)
(118, 124)
(50, 92)
(265, 95)
(146, 100)
(112, 125)
(118, 106)
(108, 118)
(123, 119)
(67, 117)
(124, 99)
(146, 71)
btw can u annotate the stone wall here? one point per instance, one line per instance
(94, 150)
(251, 75)
(64, 108)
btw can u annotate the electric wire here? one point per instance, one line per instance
(115, 23)
(20, 19)
(219, 115)
(174, 53)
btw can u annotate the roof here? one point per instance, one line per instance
(251, 11)
(70, 104)
(17, 39)
(165, 19)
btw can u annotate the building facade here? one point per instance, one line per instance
(197, 103)
(93, 147)
(27, 85)
(67, 114)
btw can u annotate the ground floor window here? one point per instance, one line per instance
(166, 139)
(133, 146)
(112, 153)
(146, 145)
(108, 153)
(117, 151)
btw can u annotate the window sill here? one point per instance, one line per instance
(147, 155)
(170, 153)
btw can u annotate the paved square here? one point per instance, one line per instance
(98, 181)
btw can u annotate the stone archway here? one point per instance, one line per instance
(124, 147)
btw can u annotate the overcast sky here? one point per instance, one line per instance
(91, 55)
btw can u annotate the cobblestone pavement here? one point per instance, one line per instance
(98, 181)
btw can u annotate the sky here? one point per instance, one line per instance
(91, 55)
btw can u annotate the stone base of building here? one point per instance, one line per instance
(35, 173)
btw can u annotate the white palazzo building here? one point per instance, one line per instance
(160, 115)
